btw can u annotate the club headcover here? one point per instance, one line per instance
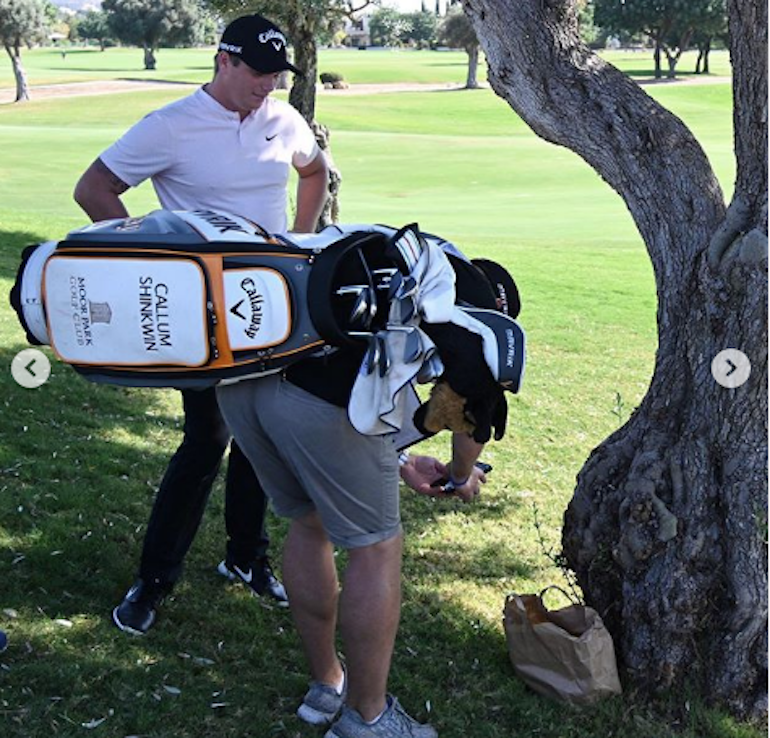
(444, 410)
(469, 376)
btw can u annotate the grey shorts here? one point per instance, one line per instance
(309, 457)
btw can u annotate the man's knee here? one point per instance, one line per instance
(309, 526)
(390, 548)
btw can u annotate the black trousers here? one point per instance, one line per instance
(184, 491)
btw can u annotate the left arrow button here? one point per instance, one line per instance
(30, 368)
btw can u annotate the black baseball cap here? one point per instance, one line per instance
(259, 42)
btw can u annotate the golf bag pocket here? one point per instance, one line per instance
(127, 311)
(259, 316)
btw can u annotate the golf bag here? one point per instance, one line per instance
(191, 299)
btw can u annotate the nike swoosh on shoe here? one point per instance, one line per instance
(247, 576)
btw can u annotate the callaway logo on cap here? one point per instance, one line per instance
(259, 42)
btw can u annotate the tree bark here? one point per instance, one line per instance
(702, 63)
(331, 211)
(22, 86)
(302, 95)
(656, 58)
(149, 58)
(666, 528)
(472, 83)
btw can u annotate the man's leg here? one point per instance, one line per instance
(310, 576)
(245, 508)
(177, 512)
(184, 490)
(247, 541)
(370, 610)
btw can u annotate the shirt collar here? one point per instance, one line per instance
(217, 108)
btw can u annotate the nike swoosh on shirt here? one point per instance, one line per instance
(246, 576)
(270, 138)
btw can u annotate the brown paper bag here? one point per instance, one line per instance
(564, 654)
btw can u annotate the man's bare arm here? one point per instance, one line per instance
(312, 191)
(98, 192)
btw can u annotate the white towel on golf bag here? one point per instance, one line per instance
(378, 402)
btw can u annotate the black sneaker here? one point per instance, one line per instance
(136, 614)
(259, 578)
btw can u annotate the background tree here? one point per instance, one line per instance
(93, 26)
(696, 25)
(713, 26)
(387, 27)
(21, 22)
(670, 24)
(151, 24)
(421, 30)
(457, 32)
(590, 33)
(667, 527)
(59, 22)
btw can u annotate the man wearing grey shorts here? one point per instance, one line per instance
(339, 488)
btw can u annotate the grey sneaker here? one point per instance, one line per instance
(394, 723)
(321, 703)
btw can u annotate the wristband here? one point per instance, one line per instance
(403, 458)
(452, 479)
(458, 484)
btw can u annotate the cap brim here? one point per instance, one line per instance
(286, 67)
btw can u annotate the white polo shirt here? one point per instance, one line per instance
(201, 155)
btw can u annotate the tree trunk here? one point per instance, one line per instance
(672, 59)
(471, 83)
(302, 95)
(656, 57)
(702, 63)
(22, 87)
(283, 80)
(666, 529)
(149, 58)
(331, 211)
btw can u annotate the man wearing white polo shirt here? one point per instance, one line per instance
(227, 147)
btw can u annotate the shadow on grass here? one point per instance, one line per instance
(79, 465)
(460, 562)
(196, 675)
(157, 81)
(452, 64)
(650, 72)
(12, 243)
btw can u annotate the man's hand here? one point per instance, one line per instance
(421, 472)
(428, 476)
(470, 490)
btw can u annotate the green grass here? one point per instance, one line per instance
(81, 64)
(79, 463)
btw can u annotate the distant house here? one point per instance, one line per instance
(357, 32)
